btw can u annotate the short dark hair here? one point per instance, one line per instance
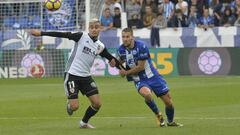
(178, 11)
(159, 14)
(106, 9)
(128, 30)
(116, 8)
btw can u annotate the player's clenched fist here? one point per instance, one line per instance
(36, 32)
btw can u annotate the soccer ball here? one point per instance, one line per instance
(53, 5)
(37, 70)
(209, 62)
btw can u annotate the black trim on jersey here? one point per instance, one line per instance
(70, 61)
(94, 39)
(108, 56)
(71, 36)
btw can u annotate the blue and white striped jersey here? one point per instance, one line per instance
(130, 57)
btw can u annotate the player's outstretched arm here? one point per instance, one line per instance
(135, 70)
(69, 35)
(36, 32)
(112, 60)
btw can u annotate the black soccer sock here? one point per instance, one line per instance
(153, 106)
(170, 113)
(91, 111)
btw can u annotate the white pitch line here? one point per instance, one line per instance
(59, 118)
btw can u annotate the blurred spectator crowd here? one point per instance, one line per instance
(171, 13)
(140, 14)
(159, 14)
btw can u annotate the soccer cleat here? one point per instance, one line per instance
(85, 125)
(160, 120)
(69, 110)
(174, 124)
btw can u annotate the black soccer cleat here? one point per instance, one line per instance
(174, 124)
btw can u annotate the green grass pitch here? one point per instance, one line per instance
(205, 105)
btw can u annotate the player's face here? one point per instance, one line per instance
(94, 29)
(127, 39)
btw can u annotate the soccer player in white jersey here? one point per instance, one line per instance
(77, 73)
(146, 78)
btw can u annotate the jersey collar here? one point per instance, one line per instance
(93, 39)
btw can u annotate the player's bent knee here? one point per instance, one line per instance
(145, 91)
(167, 100)
(97, 105)
(74, 106)
(148, 97)
(169, 104)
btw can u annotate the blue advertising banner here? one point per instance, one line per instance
(168, 61)
(15, 40)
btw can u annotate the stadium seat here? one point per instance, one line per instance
(23, 21)
(36, 21)
(9, 21)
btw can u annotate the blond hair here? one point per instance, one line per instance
(94, 20)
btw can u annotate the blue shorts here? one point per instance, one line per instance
(156, 84)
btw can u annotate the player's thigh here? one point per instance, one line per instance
(166, 98)
(158, 86)
(71, 86)
(88, 86)
(95, 100)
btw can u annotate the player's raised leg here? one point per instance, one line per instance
(147, 94)
(91, 111)
(71, 89)
(169, 109)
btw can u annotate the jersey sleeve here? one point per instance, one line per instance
(71, 36)
(120, 54)
(143, 52)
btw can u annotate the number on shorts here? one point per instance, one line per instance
(71, 86)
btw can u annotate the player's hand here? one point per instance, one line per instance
(36, 32)
(123, 72)
(112, 63)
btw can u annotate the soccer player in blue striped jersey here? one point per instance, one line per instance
(146, 78)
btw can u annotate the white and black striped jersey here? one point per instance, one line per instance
(84, 52)
(83, 55)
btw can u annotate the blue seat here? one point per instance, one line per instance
(36, 21)
(23, 21)
(8, 21)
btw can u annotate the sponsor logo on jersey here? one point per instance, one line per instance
(89, 51)
(134, 52)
